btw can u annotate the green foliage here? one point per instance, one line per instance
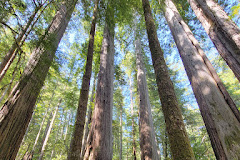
(65, 75)
(235, 11)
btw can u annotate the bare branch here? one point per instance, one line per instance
(5, 24)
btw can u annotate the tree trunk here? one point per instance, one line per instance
(120, 148)
(146, 130)
(11, 81)
(76, 143)
(101, 147)
(179, 142)
(17, 111)
(133, 126)
(29, 156)
(88, 147)
(165, 146)
(48, 130)
(222, 125)
(66, 133)
(89, 119)
(223, 32)
(57, 136)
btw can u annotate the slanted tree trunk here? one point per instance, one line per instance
(133, 126)
(179, 142)
(48, 131)
(76, 142)
(147, 134)
(89, 118)
(66, 133)
(213, 72)
(222, 125)
(17, 111)
(57, 136)
(30, 155)
(223, 32)
(13, 77)
(101, 145)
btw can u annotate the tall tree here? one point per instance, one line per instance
(76, 143)
(30, 155)
(48, 130)
(17, 111)
(224, 33)
(133, 123)
(101, 144)
(89, 118)
(220, 121)
(147, 135)
(129, 63)
(121, 133)
(179, 142)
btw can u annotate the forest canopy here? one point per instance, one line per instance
(119, 79)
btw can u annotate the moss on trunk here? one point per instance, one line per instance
(179, 142)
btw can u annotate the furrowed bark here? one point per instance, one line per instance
(222, 125)
(178, 138)
(223, 32)
(89, 119)
(147, 134)
(101, 147)
(17, 111)
(76, 143)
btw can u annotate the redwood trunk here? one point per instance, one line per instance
(76, 143)
(101, 147)
(179, 142)
(17, 111)
(147, 134)
(89, 119)
(221, 123)
(224, 33)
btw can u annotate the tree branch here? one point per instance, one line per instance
(5, 24)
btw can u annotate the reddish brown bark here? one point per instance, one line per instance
(89, 119)
(147, 134)
(101, 144)
(76, 143)
(17, 111)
